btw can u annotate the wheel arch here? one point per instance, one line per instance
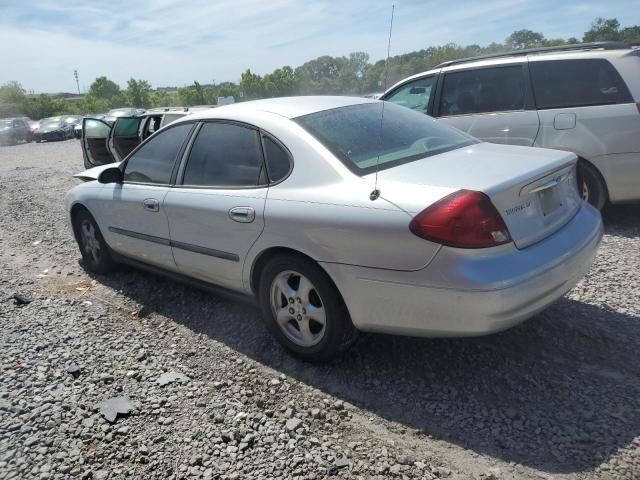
(596, 169)
(267, 254)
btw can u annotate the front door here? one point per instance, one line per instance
(493, 104)
(132, 215)
(216, 211)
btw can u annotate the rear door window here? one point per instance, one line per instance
(225, 155)
(153, 162)
(577, 83)
(414, 95)
(484, 90)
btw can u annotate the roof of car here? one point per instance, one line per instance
(289, 107)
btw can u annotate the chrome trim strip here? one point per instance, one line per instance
(182, 246)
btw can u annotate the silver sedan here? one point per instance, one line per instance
(340, 215)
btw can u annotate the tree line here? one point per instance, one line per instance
(344, 75)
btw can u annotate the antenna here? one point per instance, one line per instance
(376, 193)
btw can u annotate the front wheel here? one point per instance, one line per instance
(303, 309)
(93, 248)
(591, 187)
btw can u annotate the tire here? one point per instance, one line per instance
(95, 251)
(591, 186)
(283, 287)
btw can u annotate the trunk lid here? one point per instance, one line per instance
(533, 189)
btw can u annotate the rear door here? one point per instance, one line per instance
(95, 147)
(216, 209)
(125, 136)
(493, 103)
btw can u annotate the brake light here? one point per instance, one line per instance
(638, 106)
(464, 219)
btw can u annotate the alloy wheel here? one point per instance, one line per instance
(298, 308)
(90, 241)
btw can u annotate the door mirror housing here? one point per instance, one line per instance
(110, 175)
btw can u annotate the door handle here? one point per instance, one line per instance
(151, 204)
(242, 214)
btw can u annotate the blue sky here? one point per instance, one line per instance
(173, 42)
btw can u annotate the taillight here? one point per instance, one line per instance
(638, 106)
(464, 219)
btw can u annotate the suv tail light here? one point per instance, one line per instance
(464, 219)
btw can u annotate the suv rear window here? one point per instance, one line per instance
(577, 83)
(363, 140)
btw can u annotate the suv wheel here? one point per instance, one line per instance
(303, 309)
(591, 187)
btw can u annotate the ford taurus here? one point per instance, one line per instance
(340, 215)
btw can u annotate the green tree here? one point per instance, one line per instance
(92, 104)
(138, 93)
(631, 35)
(521, 39)
(44, 106)
(162, 99)
(281, 82)
(12, 99)
(251, 85)
(104, 88)
(226, 89)
(192, 95)
(603, 29)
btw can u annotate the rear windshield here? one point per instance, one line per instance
(365, 141)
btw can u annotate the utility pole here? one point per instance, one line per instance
(75, 75)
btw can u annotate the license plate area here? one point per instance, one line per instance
(549, 200)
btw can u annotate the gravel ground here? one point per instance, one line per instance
(202, 391)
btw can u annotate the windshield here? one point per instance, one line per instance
(356, 135)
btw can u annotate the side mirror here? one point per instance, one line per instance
(110, 175)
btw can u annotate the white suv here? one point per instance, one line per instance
(582, 98)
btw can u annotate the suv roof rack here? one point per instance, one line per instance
(527, 51)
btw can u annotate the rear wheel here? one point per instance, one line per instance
(303, 309)
(93, 248)
(591, 187)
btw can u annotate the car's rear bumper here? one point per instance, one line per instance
(471, 292)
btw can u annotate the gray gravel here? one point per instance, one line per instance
(133, 376)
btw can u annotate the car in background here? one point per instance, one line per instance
(105, 142)
(580, 98)
(14, 130)
(56, 128)
(335, 218)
